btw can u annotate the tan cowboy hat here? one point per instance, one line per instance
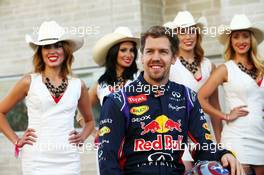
(51, 32)
(240, 22)
(185, 19)
(103, 45)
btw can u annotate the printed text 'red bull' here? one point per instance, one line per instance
(163, 142)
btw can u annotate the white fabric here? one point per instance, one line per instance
(244, 135)
(51, 154)
(104, 89)
(181, 75)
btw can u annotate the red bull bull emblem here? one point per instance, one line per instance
(139, 110)
(161, 124)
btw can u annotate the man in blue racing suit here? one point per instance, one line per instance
(144, 126)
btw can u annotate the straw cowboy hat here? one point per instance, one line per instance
(103, 45)
(240, 22)
(51, 32)
(185, 19)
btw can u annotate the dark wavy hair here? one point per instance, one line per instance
(109, 77)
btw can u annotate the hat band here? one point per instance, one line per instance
(49, 39)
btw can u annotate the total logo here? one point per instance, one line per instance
(137, 99)
(139, 110)
(161, 143)
(161, 124)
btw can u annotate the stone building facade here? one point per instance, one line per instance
(93, 19)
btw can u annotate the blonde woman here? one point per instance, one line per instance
(241, 77)
(52, 96)
(191, 68)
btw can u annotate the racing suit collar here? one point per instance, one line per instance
(154, 89)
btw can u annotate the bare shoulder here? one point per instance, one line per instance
(24, 83)
(94, 86)
(221, 72)
(83, 86)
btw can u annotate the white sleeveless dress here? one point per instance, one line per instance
(245, 135)
(181, 75)
(51, 154)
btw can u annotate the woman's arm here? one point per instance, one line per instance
(209, 88)
(214, 101)
(93, 100)
(17, 93)
(218, 77)
(85, 109)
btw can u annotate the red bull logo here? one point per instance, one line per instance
(152, 126)
(161, 143)
(161, 124)
(139, 110)
(137, 99)
(171, 125)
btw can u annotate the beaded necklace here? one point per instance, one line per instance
(251, 72)
(56, 91)
(192, 67)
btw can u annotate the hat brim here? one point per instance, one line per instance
(103, 45)
(223, 37)
(198, 24)
(74, 41)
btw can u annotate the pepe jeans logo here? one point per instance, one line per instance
(139, 110)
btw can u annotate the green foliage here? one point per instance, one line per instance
(17, 117)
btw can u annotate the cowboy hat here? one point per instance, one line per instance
(51, 32)
(103, 45)
(168, 24)
(240, 22)
(185, 19)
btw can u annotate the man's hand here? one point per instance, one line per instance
(235, 167)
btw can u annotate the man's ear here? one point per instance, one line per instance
(174, 57)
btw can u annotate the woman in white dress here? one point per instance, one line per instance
(116, 51)
(241, 77)
(191, 68)
(49, 145)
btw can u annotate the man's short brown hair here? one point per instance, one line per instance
(157, 32)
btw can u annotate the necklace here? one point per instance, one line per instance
(251, 72)
(56, 91)
(120, 81)
(192, 67)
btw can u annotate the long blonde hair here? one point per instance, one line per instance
(252, 53)
(39, 65)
